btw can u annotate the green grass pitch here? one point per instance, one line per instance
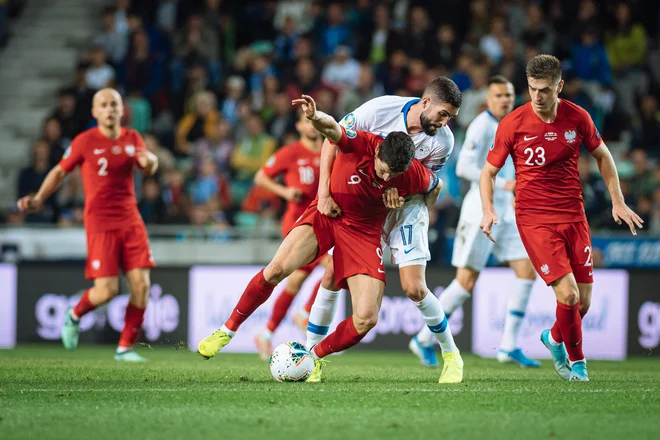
(47, 393)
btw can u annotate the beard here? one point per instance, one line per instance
(428, 127)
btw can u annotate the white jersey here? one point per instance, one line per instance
(387, 114)
(479, 139)
(405, 230)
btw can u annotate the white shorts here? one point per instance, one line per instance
(472, 248)
(406, 233)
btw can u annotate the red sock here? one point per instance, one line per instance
(280, 308)
(256, 293)
(312, 297)
(570, 324)
(556, 333)
(84, 305)
(345, 336)
(132, 326)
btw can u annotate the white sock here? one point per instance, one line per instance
(552, 341)
(74, 317)
(121, 350)
(229, 332)
(320, 317)
(436, 321)
(266, 335)
(515, 313)
(453, 297)
(425, 337)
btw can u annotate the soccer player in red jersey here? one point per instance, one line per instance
(368, 167)
(543, 137)
(299, 163)
(116, 235)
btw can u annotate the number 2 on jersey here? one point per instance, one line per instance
(535, 157)
(103, 162)
(403, 230)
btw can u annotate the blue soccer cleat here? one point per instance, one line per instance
(517, 357)
(559, 356)
(579, 372)
(426, 354)
(70, 331)
(129, 356)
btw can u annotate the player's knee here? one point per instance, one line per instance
(328, 281)
(568, 296)
(584, 306)
(106, 292)
(467, 279)
(274, 272)
(365, 321)
(140, 292)
(415, 291)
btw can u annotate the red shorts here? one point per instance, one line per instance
(356, 252)
(108, 252)
(558, 249)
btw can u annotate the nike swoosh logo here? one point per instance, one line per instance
(99, 151)
(363, 172)
(591, 273)
(381, 271)
(529, 138)
(409, 250)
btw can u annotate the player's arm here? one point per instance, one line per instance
(467, 165)
(620, 211)
(275, 166)
(323, 123)
(432, 197)
(495, 160)
(147, 161)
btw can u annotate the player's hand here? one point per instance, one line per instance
(308, 106)
(30, 203)
(327, 206)
(510, 185)
(293, 195)
(622, 213)
(391, 198)
(489, 219)
(142, 158)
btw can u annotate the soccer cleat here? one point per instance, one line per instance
(70, 331)
(264, 347)
(301, 321)
(129, 356)
(452, 370)
(579, 372)
(213, 343)
(559, 355)
(315, 377)
(426, 354)
(517, 357)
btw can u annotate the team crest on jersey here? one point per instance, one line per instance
(130, 149)
(570, 136)
(550, 136)
(116, 149)
(349, 121)
(423, 149)
(67, 153)
(351, 133)
(545, 269)
(469, 146)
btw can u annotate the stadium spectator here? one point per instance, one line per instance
(113, 42)
(68, 114)
(335, 32)
(367, 88)
(31, 178)
(99, 73)
(196, 125)
(52, 135)
(342, 71)
(647, 134)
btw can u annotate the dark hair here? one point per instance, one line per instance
(445, 90)
(110, 10)
(544, 67)
(397, 151)
(498, 79)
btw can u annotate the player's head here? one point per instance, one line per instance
(394, 155)
(544, 81)
(440, 102)
(305, 127)
(500, 96)
(107, 107)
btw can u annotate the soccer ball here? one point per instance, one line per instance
(291, 362)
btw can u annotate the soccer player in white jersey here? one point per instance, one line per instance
(471, 247)
(405, 230)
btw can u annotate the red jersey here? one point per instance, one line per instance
(545, 155)
(300, 167)
(107, 173)
(358, 191)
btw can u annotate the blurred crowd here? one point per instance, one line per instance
(209, 85)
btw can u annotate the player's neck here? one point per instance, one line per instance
(310, 144)
(413, 123)
(549, 116)
(110, 132)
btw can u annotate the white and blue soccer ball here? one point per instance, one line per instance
(291, 362)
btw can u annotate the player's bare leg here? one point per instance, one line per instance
(367, 296)
(564, 339)
(413, 282)
(585, 290)
(298, 248)
(516, 308)
(263, 339)
(139, 283)
(324, 308)
(301, 317)
(105, 288)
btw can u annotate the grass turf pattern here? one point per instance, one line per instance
(48, 393)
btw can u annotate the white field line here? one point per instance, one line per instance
(313, 389)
